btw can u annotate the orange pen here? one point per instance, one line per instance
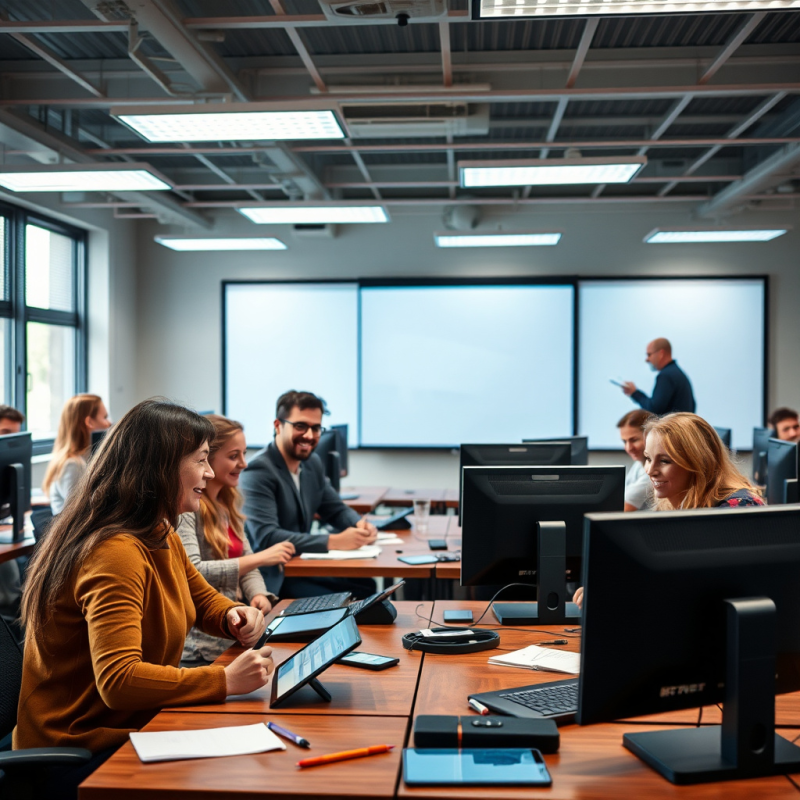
(344, 755)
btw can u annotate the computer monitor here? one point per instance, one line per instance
(15, 482)
(525, 525)
(725, 435)
(327, 450)
(761, 437)
(781, 472)
(580, 448)
(706, 603)
(537, 454)
(341, 441)
(97, 437)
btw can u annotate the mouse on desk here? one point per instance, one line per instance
(398, 551)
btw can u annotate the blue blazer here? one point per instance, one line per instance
(276, 512)
(672, 392)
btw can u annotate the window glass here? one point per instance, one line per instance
(49, 277)
(3, 258)
(51, 375)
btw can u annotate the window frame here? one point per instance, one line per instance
(16, 310)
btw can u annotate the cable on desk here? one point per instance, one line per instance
(699, 717)
(793, 782)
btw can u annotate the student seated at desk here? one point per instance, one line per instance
(285, 486)
(638, 489)
(214, 540)
(690, 467)
(110, 596)
(80, 416)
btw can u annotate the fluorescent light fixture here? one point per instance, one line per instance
(693, 236)
(514, 9)
(239, 243)
(130, 177)
(499, 239)
(234, 122)
(549, 172)
(302, 214)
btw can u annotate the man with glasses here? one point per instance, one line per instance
(672, 391)
(285, 486)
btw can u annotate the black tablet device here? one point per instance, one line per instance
(305, 665)
(303, 627)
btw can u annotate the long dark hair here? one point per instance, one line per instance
(132, 486)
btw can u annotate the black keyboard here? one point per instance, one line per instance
(547, 700)
(323, 602)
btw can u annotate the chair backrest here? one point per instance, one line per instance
(10, 678)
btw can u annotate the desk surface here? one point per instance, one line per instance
(10, 551)
(405, 497)
(368, 497)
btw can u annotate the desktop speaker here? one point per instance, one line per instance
(435, 731)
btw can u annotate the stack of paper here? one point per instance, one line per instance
(242, 740)
(543, 658)
(389, 538)
(367, 551)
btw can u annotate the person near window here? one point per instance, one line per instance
(690, 467)
(638, 489)
(284, 488)
(215, 542)
(111, 595)
(81, 415)
(10, 420)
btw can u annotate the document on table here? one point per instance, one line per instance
(241, 740)
(543, 658)
(367, 551)
(388, 538)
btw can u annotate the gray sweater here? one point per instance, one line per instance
(222, 575)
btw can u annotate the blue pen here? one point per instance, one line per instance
(292, 737)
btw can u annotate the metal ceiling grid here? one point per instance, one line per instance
(366, 39)
(551, 34)
(11, 50)
(777, 28)
(255, 42)
(694, 30)
(46, 10)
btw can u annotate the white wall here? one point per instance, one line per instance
(179, 294)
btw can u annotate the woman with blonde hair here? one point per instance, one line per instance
(81, 415)
(215, 541)
(690, 467)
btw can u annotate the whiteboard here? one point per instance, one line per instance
(281, 336)
(443, 365)
(716, 328)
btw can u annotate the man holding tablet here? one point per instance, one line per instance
(672, 391)
(285, 487)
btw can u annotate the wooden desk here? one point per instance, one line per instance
(368, 497)
(272, 775)
(451, 497)
(388, 693)
(11, 551)
(406, 497)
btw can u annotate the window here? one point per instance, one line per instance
(42, 321)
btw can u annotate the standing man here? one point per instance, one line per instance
(284, 486)
(786, 424)
(672, 391)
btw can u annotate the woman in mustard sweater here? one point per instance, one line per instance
(110, 595)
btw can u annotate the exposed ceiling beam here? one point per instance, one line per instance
(300, 46)
(734, 132)
(447, 59)
(773, 170)
(583, 48)
(297, 21)
(745, 29)
(555, 122)
(160, 202)
(457, 94)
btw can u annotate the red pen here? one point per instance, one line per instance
(344, 755)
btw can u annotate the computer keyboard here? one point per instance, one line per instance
(547, 700)
(323, 602)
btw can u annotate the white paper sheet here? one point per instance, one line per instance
(367, 551)
(543, 658)
(240, 740)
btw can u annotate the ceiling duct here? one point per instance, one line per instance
(409, 120)
(370, 10)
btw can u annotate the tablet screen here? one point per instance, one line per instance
(314, 658)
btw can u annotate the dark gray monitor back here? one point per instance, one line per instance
(501, 507)
(341, 446)
(781, 467)
(660, 579)
(15, 448)
(761, 437)
(579, 445)
(725, 434)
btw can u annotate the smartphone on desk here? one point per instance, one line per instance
(368, 661)
(512, 766)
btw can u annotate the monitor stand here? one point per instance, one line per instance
(790, 491)
(320, 690)
(745, 745)
(551, 572)
(15, 480)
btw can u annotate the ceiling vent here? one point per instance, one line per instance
(313, 231)
(369, 10)
(409, 120)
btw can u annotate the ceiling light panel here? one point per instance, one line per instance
(315, 215)
(199, 245)
(548, 172)
(233, 125)
(494, 9)
(83, 178)
(530, 239)
(694, 236)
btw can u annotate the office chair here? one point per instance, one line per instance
(19, 767)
